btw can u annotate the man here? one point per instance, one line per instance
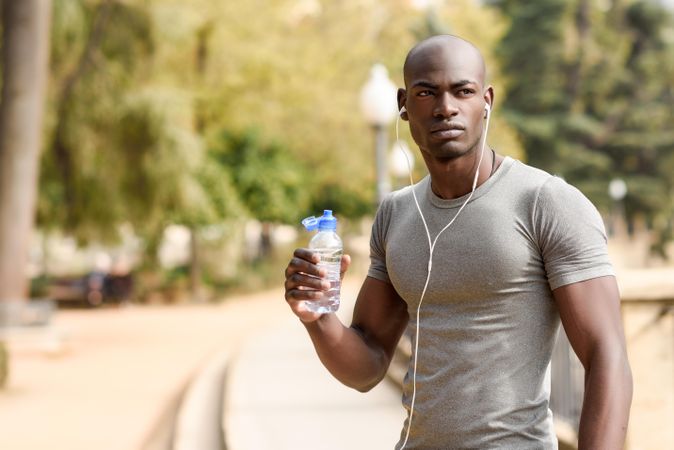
(523, 250)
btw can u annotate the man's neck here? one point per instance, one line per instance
(453, 178)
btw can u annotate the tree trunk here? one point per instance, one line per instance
(575, 77)
(195, 268)
(4, 365)
(266, 244)
(24, 64)
(200, 66)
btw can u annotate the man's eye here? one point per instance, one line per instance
(424, 93)
(466, 92)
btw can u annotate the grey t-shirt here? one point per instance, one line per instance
(488, 321)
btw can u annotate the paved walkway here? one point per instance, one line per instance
(279, 397)
(119, 373)
(117, 382)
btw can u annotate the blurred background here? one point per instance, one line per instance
(156, 157)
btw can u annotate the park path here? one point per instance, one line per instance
(120, 370)
(118, 380)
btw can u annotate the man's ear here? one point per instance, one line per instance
(402, 100)
(489, 97)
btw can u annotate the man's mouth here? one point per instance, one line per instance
(447, 130)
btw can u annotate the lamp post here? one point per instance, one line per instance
(401, 159)
(617, 190)
(379, 106)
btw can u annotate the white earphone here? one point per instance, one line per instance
(431, 246)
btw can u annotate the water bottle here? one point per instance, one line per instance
(329, 246)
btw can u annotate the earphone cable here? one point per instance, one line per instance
(431, 246)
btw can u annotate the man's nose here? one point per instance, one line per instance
(444, 106)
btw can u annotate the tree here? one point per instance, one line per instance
(531, 58)
(273, 186)
(25, 37)
(142, 91)
(94, 152)
(135, 154)
(25, 53)
(589, 91)
(637, 134)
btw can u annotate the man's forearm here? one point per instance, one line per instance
(606, 404)
(346, 354)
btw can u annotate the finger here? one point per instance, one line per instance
(345, 264)
(304, 293)
(307, 255)
(302, 281)
(301, 265)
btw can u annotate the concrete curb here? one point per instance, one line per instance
(198, 422)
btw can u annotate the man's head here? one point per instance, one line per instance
(445, 96)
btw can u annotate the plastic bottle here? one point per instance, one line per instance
(329, 246)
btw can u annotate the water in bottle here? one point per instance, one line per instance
(329, 246)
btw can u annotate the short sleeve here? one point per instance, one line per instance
(570, 234)
(378, 268)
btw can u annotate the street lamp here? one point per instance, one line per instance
(379, 106)
(617, 190)
(401, 159)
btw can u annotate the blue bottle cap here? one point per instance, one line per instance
(327, 222)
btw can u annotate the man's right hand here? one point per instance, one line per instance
(305, 282)
(360, 354)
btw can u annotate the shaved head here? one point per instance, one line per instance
(445, 44)
(446, 97)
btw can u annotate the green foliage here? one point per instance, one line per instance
(179, 182)
(120, 149)
(270, 181)
(346, 202)
(96, 54)
(589, 91)
(294, 74)
(152, 105)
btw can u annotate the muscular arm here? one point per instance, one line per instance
(359, 355)
(590, 314)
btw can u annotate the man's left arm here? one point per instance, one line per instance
(590, 314)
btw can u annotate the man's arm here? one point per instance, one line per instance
(359, 355)
(590, 314)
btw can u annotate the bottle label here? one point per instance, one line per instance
(331, 260)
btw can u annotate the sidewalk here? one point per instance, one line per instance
(121, 372)
(279, 397)
(117, 383)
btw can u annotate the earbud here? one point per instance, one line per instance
(402, 110)
(487, 110)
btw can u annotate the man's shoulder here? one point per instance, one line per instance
(526, 175)
(520, 182)
(546, 188)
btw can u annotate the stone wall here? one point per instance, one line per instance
(649, 330)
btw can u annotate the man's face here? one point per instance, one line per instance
(445, 100)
